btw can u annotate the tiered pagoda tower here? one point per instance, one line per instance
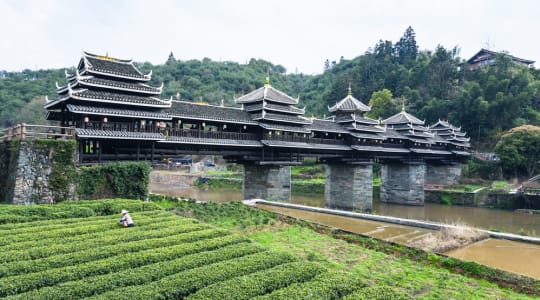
(453, 135)
(349, 113)
(276, 112)
(108, 98)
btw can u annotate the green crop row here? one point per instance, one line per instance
(260, 283)
(32, 253)
(16, 214)
(86, 255)
(181, 284)
(74, 222)
(95, 285)
(329, 285)
(22, 283)
(75, 230)
(143, 224)
(378, 293)
(52, 223)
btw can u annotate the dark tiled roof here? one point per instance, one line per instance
(367, 136)
(207, 141)
(350, 118)
(330, 147)
(280, 127)
(443, 125)
(182, 109)
(326, 126)
(364, 128)
(113, 67)
(274, 107)
(421, 141)
(281, 118)
(349, 104)
(120, 135)
(117, 112)
(379, 149)
(120, 85)
(403, 118)
(430, 151)
(461, 153)
(285, 144)
(109, 97)
(268, 93)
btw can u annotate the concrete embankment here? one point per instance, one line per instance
(391, 220)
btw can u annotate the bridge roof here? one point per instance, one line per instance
(114, 112)
(196, 111)
(112, 67)
(267, 93)
(91, 81)
(281, 118)
(350, 118)
(403, 117)
(349, 104)
(380, 149)
(107, 98)
(289, 109)
(326, 126)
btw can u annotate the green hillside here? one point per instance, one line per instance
(431, 84)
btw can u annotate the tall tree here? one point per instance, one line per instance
(406, 49)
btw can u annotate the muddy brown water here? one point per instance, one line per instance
(518, 257)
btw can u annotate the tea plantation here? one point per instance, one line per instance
(77, 250)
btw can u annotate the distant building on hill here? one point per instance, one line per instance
(486, 57)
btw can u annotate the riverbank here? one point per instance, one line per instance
(418, 273)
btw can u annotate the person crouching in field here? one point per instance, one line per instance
(126, 219)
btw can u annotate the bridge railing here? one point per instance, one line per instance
(29, 131)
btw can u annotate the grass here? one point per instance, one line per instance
(423, 279)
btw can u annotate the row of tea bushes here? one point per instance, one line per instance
(69, 209)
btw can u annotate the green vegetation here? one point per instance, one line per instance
(119, 179)
(518, 150)
(69, 209)
(166, 256)
(387, 269)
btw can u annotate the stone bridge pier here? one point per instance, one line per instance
(270, 182)
(403, 183)
(349, 186)
(443, 174)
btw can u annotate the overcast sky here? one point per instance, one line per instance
(300, 35)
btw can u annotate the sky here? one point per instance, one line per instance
(298, 34)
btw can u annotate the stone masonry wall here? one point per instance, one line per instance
(349, 187)
(403, 183)
(33, 166)
(443, 174)
(267, 182)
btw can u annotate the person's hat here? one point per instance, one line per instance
(124, 211)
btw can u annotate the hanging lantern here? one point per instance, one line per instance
(86, 119)
(105, 120)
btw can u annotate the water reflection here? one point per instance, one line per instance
(485, 218)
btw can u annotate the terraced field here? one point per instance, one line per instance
(45, 253)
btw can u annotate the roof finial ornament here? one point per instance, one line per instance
(403, 105)
(267, 79)
(349, 92)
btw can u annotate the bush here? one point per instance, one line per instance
(119, 179)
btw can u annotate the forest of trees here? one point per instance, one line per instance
(431, 84)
